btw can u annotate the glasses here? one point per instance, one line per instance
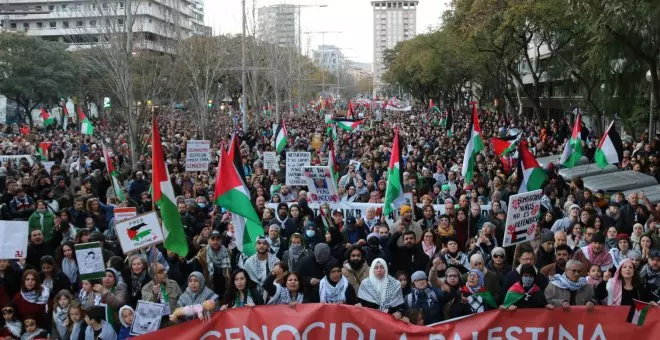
(498, 256)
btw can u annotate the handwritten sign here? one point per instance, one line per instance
(125, 213)
(320, 183)
(90, 260)
(295, 162)
(16, 158)
(198, 155)
(270, 161)
(139, 232)
(521, 218)
(13, 239)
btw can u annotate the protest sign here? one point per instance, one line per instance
(521, 217)
(359, 210)
(341, 321)
(147, 317)
(295, 162)
(270, 161)
(320, 184)
(124, 213)
(90, 260)
(139, 232)
(198, 155)
(48, 165)
(13, 239)
(355, 163)
(16, 158)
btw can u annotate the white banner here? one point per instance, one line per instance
(295, 162)
(16, 158)
(270, 161)
(122, 214)
(358, 210)
(198, 155)
(139, 232)
(13, 239)
(3, 109)
(393, 108)
(321, 185)
(521, 217)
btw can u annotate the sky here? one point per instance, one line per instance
(353, 18)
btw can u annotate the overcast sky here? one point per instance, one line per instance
(351, 17)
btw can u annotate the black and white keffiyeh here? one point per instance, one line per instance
(561, 281)
(283, 296)
(217, 260)
(332, 294)
(15, 328)
(257, 270)
(385, 292)
(189, 298)
(32, 296)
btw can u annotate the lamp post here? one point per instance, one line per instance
(649, 78)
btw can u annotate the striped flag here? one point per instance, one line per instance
(114, 174)
(332, 162)
(610, 148)
(531, 175)
(573, 148)
(503, 147)
(280, 137)
(86, 127)
(394, 191)
(47, 117)
(349, 125)
(638, 312)
(473, 147)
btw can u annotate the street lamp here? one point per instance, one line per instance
(649, 78)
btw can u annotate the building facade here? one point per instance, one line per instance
(329, 58)
(394, 21)
(157, 24)
(280, 24)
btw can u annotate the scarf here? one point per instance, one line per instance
(650, 275)
(295, 251)
(216, 260)
(59, 316)
(283, 296)
(274, 245)
(32, 296)
(617, 256)
(593, 282)
(442, 232)
(75, 329)
(428, 250)
(70, 269)
(459, 257)
(136, 282)
(615, 287)
(423, 296)
(255, 269)
(15, 328)
(189, 298)
(333, 293)
(604, 260)
(563, 282)
(83, 296)
(386, 292)
(38, 333)
(475, 299)
(247, 299)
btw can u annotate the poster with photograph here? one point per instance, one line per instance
(139, 232)
(147, 317)
(90, 260)
(13, 239)
(320, 183)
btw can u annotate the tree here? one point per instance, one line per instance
(33, 70)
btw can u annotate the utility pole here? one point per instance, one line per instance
(323, 33)
(244, 75)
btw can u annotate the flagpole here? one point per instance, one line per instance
(153, 202)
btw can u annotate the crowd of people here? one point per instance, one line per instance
(424, 268)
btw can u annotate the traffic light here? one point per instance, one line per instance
(210, 103)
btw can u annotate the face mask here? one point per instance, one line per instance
(310, 233)
(201, 205)
(296, 248)
(527, 281)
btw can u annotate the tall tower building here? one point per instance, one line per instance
(394, 21)
(279, 24)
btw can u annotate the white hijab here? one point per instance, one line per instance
(379, 284)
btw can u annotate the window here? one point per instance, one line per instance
(26, 26)
(120, 21)
(92, 6)
(52, 24)
(120, 4)
(64, 6)
(79, 23)
(13, 25)
(105, 5)
(51, 7)
(92, 23)
(37, 8)
(107, 22)
(40, 25)
(65, 24)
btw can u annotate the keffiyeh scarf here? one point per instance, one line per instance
(460, 257)
(562, 282)
(216, 260)
(618, 256)
(83, 296)
(651, 276)
(604, 260)
(332, 294)
(256, 270)
(38, 333)
(15, 328)
(386, 292)
(137, 281)
(33, 297)
(59, 317)
(70, 269)
(283, 296)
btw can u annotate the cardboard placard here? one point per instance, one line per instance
(13, 239)
(90, 260)
(295, 162)
(139, 232)
(198, 155)
(521, 217)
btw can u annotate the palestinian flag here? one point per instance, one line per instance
(638, 312)
(432, 106)
(503, 147)
(610, 148)
(573, 148)
(163, 195)
(531, 175)
(280, 137)
(488, 298)
(349, 125)
(232, 194)
(474, 146)
(328, 118)
(332, 131)
(394, 190)
(449, 122)
(66, 116)
(351, 110)
(516, 293)
(47, 118)
(42, 150)
(114, 174)
(86, 127)
(332, 162)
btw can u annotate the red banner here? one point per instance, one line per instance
(318, 321)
